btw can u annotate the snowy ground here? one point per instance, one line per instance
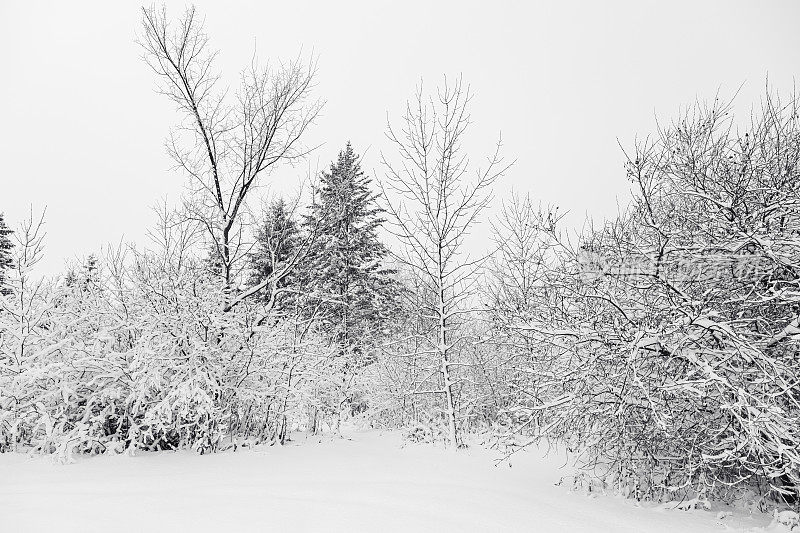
(368, 483)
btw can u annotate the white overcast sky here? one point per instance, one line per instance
(82, 128)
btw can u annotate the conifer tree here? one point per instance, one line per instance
(277, 240)
(88, 275)
(213, 264)
(353, 291)
(5, 256)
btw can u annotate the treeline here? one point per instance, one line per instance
(660, 347)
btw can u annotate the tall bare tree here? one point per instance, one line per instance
(435, 197)
(227, 143)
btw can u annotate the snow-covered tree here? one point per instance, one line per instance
(5, 255)
(518, 289)
(434, 204)
(278, 239)
(353, 291)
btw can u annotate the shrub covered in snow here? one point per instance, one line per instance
(141, 352)
(669, 336)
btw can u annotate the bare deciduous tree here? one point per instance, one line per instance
(229, 142)
(436, 203)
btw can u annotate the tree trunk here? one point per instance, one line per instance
(444, 356)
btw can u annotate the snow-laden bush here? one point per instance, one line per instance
(143, 352)
(669, 336)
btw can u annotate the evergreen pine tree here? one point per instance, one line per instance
(212, 263)
(5, 256)
(353, 292)
(88, 275)
(91, 272)
(277, 240)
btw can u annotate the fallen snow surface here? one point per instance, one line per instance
(366, 482)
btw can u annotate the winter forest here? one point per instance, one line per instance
(406, 291)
